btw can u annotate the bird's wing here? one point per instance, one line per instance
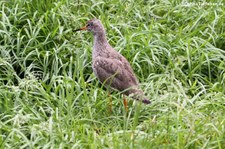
(128, 68)
(115, 73)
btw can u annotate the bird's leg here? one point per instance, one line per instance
(125, 104)
(110, 103)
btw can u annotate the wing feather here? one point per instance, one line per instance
(114, 73)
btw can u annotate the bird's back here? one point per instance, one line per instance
(112, 69)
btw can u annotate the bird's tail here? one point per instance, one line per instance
(139, 95)
(145, 100)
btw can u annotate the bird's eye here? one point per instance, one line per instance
(89, 24)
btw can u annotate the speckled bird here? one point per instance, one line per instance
(110, 67)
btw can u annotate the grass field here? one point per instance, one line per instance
(50, 98)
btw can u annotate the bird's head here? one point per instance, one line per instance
(94, 25)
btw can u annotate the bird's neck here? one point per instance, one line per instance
(101, 46)
(100, 38)
(100, 41)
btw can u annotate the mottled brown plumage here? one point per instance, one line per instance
(109, 66)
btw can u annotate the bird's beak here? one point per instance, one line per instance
(80, 29)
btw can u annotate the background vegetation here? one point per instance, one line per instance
(49, 97)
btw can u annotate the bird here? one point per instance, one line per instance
(110, 67)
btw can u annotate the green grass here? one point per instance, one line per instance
(50, 98)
